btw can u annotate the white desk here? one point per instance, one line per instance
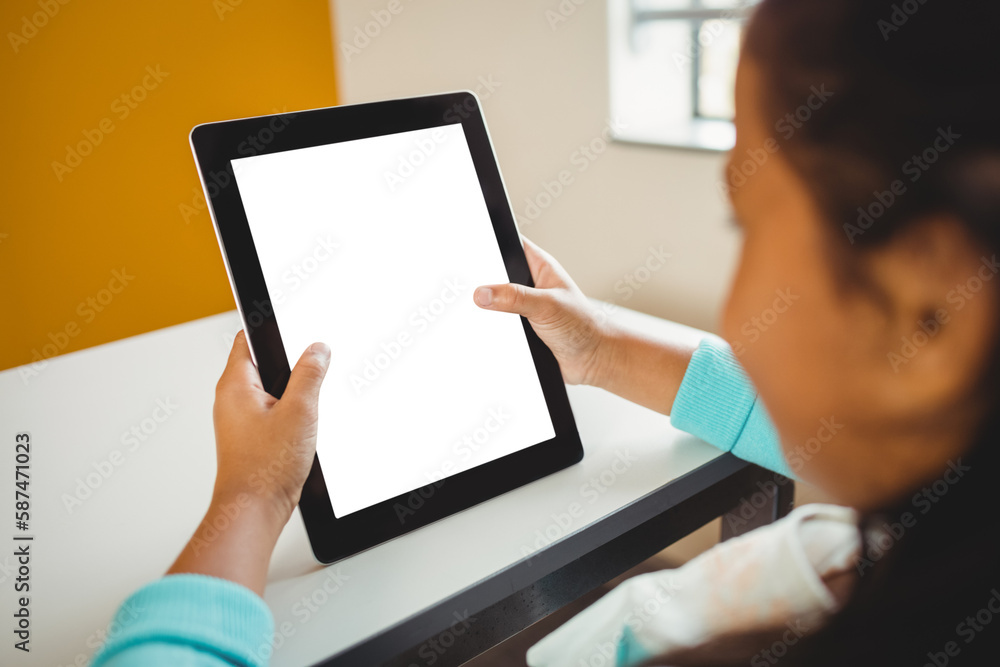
(87, 558)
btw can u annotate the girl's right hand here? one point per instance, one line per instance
(558, 312)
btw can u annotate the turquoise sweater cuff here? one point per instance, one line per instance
(717, 403)
(216, 616)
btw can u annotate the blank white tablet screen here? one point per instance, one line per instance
(374, 247)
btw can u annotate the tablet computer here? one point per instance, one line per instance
(368, 227)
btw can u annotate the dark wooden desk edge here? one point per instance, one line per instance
(502, 605)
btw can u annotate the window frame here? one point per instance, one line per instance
(690, 130)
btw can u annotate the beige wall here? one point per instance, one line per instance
(551, 97)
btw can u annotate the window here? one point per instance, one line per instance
(672, 69)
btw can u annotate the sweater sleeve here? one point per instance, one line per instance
(185, 620)
(717, 403)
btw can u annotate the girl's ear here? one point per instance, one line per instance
(939, 293)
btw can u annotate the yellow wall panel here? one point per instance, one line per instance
(103, 230)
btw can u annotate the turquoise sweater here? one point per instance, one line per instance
(194, 620)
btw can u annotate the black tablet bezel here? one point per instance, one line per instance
(215, 145)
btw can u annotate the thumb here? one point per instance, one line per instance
(240, 371)
(307, 376)
(513, 298)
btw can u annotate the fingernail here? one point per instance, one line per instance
(322, 350)
(484, 296)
